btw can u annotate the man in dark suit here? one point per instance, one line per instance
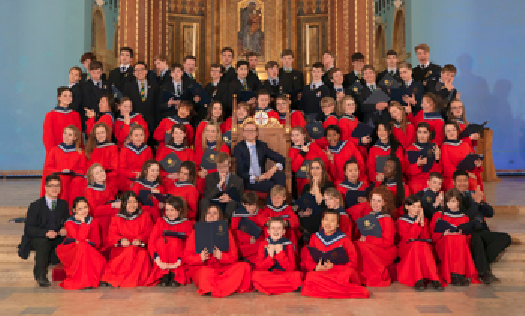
(86, 60)
(44, 227)
(123, 74)
(358, 62)
(253, 61)
(425, 70)
(290, 79)
(391, 62)
(222, 187)
(337, 92)
(161, 64)
(227, 55)
(189, 67)
(272, 84)
(328, 64)
(241, 83)
(313, 93)
(75, 74)
(144, 96)
(178, 85)
(212, 89)
(414, 90)
(250, 158)
(372, 114)
(93, 90)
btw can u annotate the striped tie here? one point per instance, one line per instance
(244, 85)
(143, 92)
(178, 89)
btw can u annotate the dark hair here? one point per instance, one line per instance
(161, 58)
(250, 54)
(327, 52)
(124, 201)
(52, 177)
(435, 175)
(242, 63)
(287, 52)
(351, 161)
(61, 90)
(210, 111)
(366, 67)
(176, 65)
(144, 172)
(409, 201)
(228, 49)
(398, 177)
(459, 172)
(183, 129)
(190, 165)
(142, 63)
(75, 68)
(357, 56)
(432, 133)
(127, 49)
(179, 204)
(262, 92)
(391, 52)
(405, 64)
(333, 212)
(456, 126)
(332, 71)
(436, 99)
(77, 200)
(449, 68)
(318, 65)
(88, 55)
(189, 57)
(94, 65)
(249, 198)
(450, 194)
(203, 214)
(271, 64)
(332, 127)
(221, 67)
(394, 144)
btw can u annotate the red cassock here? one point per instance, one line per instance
(453, 251)
(462, 126)
(63, 157)
(107, 155)
(54, 124)
(376, 254)
(219, 277)
(98, 196)
(248, 250)
(436, 122)
(106, 118)
(169, 249)
(405, 138)
(339, 282)
(452, 153)
(165, 126)
(329, 120)
(353, 211)
(128, 266)
(380, 150)
(225, 126)
(342, 152)
(287, 214)
(142, 184)
(347, 124)
(297, 158)
(417, 260)
(296, 119)
(83, 263)
(188, 192)
(417, 179)
(199, 153)
(184, 154)
(346, 224)
(131, 160)
(276, 275)
(121, 131)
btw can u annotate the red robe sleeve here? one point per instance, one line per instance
(446, 161)
(89, 125)
(50, 161)
(349, 247)
(293, 220)
(286, 259)
(190, 257)
(155, 234)
(264, 262)
(296, 158)
(408, 231)
(198, 135)
(47, 132)
(435, 236)
(94, 235)
(161, 130)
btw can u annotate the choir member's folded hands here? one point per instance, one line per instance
(124, 242)
(421, 161)
(205, 255)
(478, 163)
(127, 118)
(305, 148)
(174, 265)
(271, 250)
(252, 240)
(439, 200)
(51, 234)
(173, 102)
(478, 195)
(217, 253)
(362, 238)
(278, 248)
(437, 152)
(136, 242)
(408, 109)
(409, 100)
(161, 264)
(305, 213)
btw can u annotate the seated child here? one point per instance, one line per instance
(248, 245)
(334, 201)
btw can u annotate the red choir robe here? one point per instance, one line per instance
(102, 212)
(347, 124)
(169, 249)
(121, 131)
(55, 122)
(376, 254)
(462, 126)
(106, 118)
(287, 214)
(143, 184)
(276, 275)
(225, 126)
(222, 277)
(165, 126)
(184, 153)
(417, 260)
(452, 153)
(417, 179)
(298, 157)
(199, 153)
(380, 149)
(453, 251)
(107, 155)
(353, 211)
(342, 152)
(330, 119)
(346, 224)
(436, 122)
(188, 192)
(407, 138)
(128, 266)
(131, 160)
(296, 119)
(60, 158)
(342, 281)
(83, 263)
(248, 250)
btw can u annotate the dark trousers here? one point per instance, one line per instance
(265, 186)
(44, 248)
(485, 247)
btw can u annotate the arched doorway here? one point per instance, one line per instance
(398, 36)
(380, 48)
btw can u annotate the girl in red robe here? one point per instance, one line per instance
(417, 179)
(339, 152)
(328, 117)
(417, 265)
(83, 263)
(129, 264)
(248, 244)
(301, 151)
(347, 121)
(101, 199)
(185, 188)
(177, 145)
(453, 248)
(334, 201)
(58, 119)
(430, 113)
(100, 149)
(215, 114)
(386, 145)
(326, 279)
(166, 244)
(66, 158)
(282, 104)
(166, 125)
(402, 129)
(132, 158)
(454, 150)
(457, 113)
(275, 265)
(127, 119)
(394, 182)
(352, 183)
(150, 180)
(376, 254)
(215, 272)
(104, 114)
(263, 104)
(212, 139)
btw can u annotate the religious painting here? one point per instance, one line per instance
(250, 35)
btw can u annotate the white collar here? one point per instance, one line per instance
(277, 209)
(410, 82)
(392, 69)
(124, 66)
(424, 66)
(328, 243)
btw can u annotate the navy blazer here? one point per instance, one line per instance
(242, 158)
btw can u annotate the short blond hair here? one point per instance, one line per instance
(278, 189)
(422, 46)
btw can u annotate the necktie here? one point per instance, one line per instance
(53, 205)
(254, 161)
(359, 76)
(122, 69)
(178, 88)
(244, 85)
(392, 72)
(339, 89)
(99, 84)
(273, 82)
(88, 76)
(143, 91)
(288, 70)
(373, 88)
(223, 186)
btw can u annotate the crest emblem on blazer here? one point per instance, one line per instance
(387, 82)
(104, 87)
(294, 77)
(125, 75)
(303, 168)
(356, 90)
(429, 199)
(211, 157)
(318, 94)
(316, 129)
(170, 162)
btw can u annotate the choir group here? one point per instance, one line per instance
(386, 182)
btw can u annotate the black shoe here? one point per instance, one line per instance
(486, 278)
(298, 290)
(437, 286)
(43, 281)
(104, 284)
(494, 278)
(207, 294)
(454, 279)
(463, 281)
(165, 280)
(420, 285)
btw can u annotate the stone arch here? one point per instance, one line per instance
(398, 34)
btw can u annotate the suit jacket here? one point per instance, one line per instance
(421, 74)
(163, 109)
(76, 90)
(83, 77)
(350, 78)
(91, 96)
(476, 212)
(254, 77)
(384, 72)
(148, 108)
(120, 79)
(211, 191)
(161, 79)
(243, 161)
(275, 90)
(293, 81)
(229, 75)
(326, 80)
(37, 214)
(234, 87)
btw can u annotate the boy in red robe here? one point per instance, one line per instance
(282, 104)
(339, 152)
(248, 245)
(263, 104)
